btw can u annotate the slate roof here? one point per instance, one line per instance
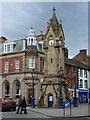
(76, 63)
(19, 46)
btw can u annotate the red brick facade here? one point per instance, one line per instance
(82, 56)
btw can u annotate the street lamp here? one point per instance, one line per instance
(61, 98)
(33, 99)
(75, 96)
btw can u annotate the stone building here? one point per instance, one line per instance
(54, 59)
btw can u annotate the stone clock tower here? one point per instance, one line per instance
(54, 59)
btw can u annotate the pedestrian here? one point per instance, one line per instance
(19, 104)
(23, 106)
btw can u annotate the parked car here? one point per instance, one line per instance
(8, 104)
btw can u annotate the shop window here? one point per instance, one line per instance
(85, 84)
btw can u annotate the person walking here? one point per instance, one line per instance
(19, 104)
(23, 106)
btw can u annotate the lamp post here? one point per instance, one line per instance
(75, 96)
(33, 99)
(61, 98)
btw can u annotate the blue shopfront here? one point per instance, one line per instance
(83, 96)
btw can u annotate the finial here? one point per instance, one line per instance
(31, 27)
(54, 9)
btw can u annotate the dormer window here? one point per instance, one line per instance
(8, 47)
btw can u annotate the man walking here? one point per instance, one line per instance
(19, 104)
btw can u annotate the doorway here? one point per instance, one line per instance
(50, 101)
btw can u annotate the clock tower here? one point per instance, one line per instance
(54, 59)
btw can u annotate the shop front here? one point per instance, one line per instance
(83, 96)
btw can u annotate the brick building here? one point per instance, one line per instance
(17, 59)
(83, 57)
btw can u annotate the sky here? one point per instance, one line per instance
(18, 17)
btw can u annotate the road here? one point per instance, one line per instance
(12, 115)
(78, 113)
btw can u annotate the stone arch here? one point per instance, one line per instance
(16, 85)
(6, 88)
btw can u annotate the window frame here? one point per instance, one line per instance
(81, 83)
(31, 62)
(81, 73)
(17, 63)
(6, 65)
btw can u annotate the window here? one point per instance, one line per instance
(51, 60)
(85, 73)
(17, 64)
(17, 83)
(7, 88)
(85, 84)
(8, 47)
(6, 65)
(5, 48)
(81, 73)
(31, 41)
(81, 83)
(41, 64)
(32, 62)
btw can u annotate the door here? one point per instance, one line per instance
(29, 96)
(50, 101)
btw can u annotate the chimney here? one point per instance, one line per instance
(83, 51)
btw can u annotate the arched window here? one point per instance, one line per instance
(7, 89)
(31, 41)
(17, 85)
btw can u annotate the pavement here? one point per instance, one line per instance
(81, 111)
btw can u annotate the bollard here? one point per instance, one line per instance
(70, 110)
(64, 110)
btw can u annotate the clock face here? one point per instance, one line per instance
(51, 42)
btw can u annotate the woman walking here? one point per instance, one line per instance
(19, 104)
(23, 106)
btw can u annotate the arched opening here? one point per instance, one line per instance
(6, 86)
(50, 100)
(16, 88)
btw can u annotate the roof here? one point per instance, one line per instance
(76, 63)
(19, 46)
(55, 25)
